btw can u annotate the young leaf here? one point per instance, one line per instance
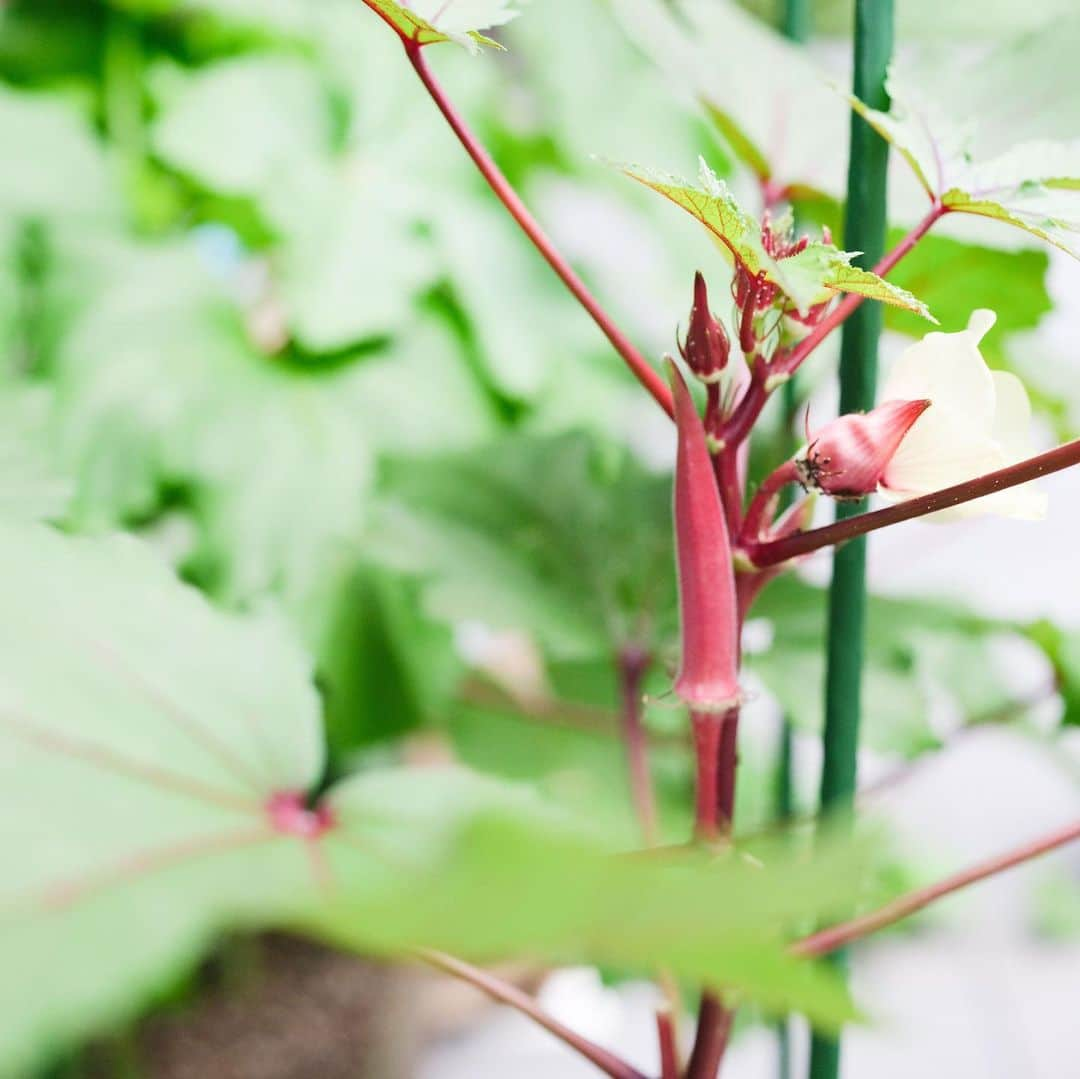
(429, 21)
(808, 277)
(945, 122)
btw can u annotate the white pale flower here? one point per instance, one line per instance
(979, 421)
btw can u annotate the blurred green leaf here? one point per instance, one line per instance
(32, 487)
(955, 278)
(1062, 650)
(384, 668)
(157, 754)
(560, 537)
(979, 135)
(571, 751)
(55, 145)
(711, 52)
(162, 384)
(917, 651)
(140, 732)
(552, 892)
(239, 124)
(523, 320)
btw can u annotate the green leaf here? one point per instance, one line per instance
(560, 537)
(1062, 650)
(32, 487)
(239, 124)
(506, 309)
(550, 891)
(54, 145)
(807, 278)
(264, 128)
(685, 38)
(917, 652)
(149, 743)
(385, 669)
(429, 21)
(955, 277)
(568, 746)
(140, 733)
(978, 135)
(160, 386)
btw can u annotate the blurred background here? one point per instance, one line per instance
(256, 305)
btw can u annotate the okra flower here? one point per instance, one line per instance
(979, 422)
(848, 457)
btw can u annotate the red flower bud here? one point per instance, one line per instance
(847, 457)
(708, 675)
(706, 347)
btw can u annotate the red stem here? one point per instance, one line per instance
(828, 940)
(772, 552)
(707, 728)
(715, 743)
(498, 183)
(726, 469)
(633, 662)
(669, 1052)
(761, 506)
(500, 991)
(714, 1027)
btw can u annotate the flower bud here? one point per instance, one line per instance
(708, 674)
(847, 457)
(706, 347)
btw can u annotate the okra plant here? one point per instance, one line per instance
(184, 760)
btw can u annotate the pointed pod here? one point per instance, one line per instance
(706, 348)
(708, 675)
(847, 458)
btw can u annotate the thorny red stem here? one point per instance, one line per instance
(828, 940)
(504, 993)
(498, 183)
(772, 552)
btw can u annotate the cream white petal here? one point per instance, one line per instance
(979, 421)
(949, 369)
(937, 452)
(1012, 416)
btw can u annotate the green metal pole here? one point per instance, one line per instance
(797, 20)
(864, 230)
(797, 25)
